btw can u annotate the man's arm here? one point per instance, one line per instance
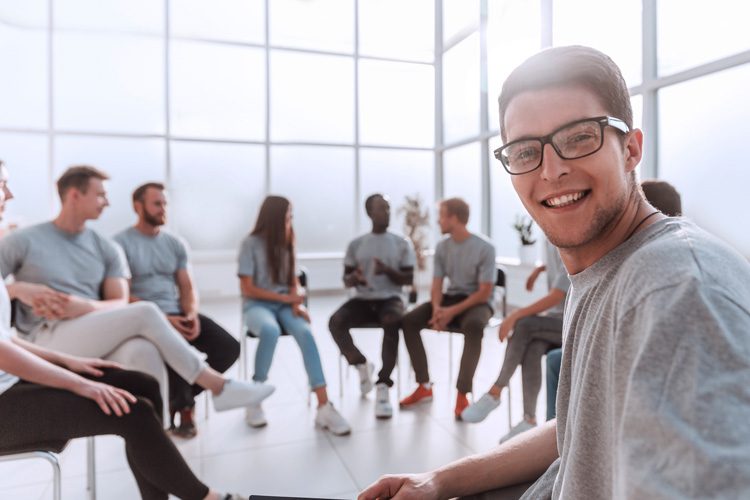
(187, 291)
(353, 276)
(402, 276)
(522, 459)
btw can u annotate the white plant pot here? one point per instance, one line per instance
(527, 254)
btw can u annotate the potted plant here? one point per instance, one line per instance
(524, 227)
(416, 222)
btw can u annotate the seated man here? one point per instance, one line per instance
(377, 265)
(161, 274)
(653, 399)
(468, 261)
(537, 328)
(71, 285)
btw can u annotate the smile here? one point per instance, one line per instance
(564, 200)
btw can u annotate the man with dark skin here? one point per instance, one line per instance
(377, 265)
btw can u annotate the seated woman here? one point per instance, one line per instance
(271, 300)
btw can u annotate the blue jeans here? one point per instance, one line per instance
(266, 319)
(553, 377)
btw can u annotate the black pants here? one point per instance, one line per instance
(357, 312)
(471, 323)
(221, 349)
(32, 413)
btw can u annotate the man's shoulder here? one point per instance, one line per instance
(481, 240)
(125, 236)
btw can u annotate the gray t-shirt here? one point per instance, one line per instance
(74, 263)
(557, 276)
(253, 262)
(154, 262)
(465, 264)
(393, 250)
(654, 400)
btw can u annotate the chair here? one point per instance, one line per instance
(302, 278)
(49, 451)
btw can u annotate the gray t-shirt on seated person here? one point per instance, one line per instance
(654, 400)
(74, 263)
(253, 262)
(466, 264)
(557, 276)
(393, 250)
(154, 261)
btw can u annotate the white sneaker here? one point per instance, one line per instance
(478, 411)
(516, 430)
(254, 416)
(383, 408)
(237, 393)
(365, 371)
(328, 418)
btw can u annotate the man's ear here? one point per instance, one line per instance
(633, 149)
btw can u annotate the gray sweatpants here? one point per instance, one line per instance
(532, 337)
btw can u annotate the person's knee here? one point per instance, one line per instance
(411, 324)
(391, 320)
(142, 355)
(473, 327)
(524, 325)
(269, 332)
(338, 322)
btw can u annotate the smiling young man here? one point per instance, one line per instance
(653, 400)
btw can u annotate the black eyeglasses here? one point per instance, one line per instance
(571, 141)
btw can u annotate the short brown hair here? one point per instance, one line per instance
(78, 177)
(140, 191)
(574, 65)
(457, 207)
(663, 196)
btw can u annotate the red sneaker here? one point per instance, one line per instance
(461, 404)
(421, 395)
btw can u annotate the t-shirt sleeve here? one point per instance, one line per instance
(246, 259)
(115, 262)
(487, 266)
(438, 265)
(181, 253)
(408, 257)
(684, 430)
(12, 252)
(350, 259)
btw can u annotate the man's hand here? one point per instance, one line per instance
(441, 317)
(380, 267)
(110, 399)
(403, 487)
(294, 299)
(301, 311)
(43, 300)
(355, 278)
(76, 307)
(87, 366)
(187, 328)
(509, 322)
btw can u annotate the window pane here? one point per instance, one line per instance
(313, 24)
(636, 102)
(318, 106)
(23, 86)
(128, 162)
(217, 91)
(693, 33)
(319, 181)
(462, 177)
(398, 174)
(397, 29)
(25, 155)
(513, 28)
(397, 103)
(141, 16)
(231, 20)
(504, 206)
(122, 91)
(711, 173)
(216, 192)
(616, 31)
(28, 14)
(459, 17)
(461, 90)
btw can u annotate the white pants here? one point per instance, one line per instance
(137, 336)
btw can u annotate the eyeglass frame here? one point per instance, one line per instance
(603, 121)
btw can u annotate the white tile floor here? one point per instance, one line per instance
(290, 456)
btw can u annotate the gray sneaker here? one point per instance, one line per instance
(237, 393)
(328, 418)
(254, 416)
(516, 430)
(478, 411)
(383, 408)
(365, 371)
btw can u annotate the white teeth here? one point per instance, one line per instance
(566, 199)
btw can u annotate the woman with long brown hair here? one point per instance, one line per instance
(271, 301)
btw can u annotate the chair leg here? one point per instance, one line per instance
(450, 360)
(341, 382)
(91, 467)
